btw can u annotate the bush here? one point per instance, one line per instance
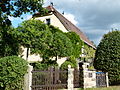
(12, 71)
(44, 65)
(107, 57)
(71, 61)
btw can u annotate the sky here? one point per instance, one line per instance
(94, 17)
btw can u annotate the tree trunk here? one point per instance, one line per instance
(27, 54)
(56, 58)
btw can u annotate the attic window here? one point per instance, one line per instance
(48, 21)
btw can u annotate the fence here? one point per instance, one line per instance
(101, 79)
(54, 78)
(91, 78)
(51, 79)
(77, 79)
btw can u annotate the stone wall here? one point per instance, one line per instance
(89, 77)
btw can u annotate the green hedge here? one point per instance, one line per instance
(12, 71)
(107, 57)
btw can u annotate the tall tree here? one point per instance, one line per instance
(33, 34)
(61, 45)
(8, 44)
(16, 8)
(107, 57)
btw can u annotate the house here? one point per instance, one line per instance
(58, 20)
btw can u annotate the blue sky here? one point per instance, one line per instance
(94, 17)
(18, 20)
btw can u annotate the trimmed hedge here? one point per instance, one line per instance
(12, 71)
(107, 57)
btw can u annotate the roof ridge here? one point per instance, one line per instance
(77, 29)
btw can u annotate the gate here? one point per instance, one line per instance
(101, 79)
(76, 78)
(51, 79)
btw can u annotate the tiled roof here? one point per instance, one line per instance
(69, 26)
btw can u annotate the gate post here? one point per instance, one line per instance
(28, 78)
(70, 78)
(107, 80)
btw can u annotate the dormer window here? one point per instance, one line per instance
(48, 21)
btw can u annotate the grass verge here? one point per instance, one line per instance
(104, 88)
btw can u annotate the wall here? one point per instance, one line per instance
(54, 21)
(89, 77)
(31, 57)
(35, 57)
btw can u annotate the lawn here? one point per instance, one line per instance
(108, 88)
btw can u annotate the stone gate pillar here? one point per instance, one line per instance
(70, 78)
(28, 78)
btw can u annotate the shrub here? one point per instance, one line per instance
(71, 61)
(45, 65)
(107, 57)
(12, 71)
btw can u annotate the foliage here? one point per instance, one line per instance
(47, 41)
(91, 68)
(12, 71)
(76, 43)
(60, 46)
(44, 65)
(89, 52)
(8, 44)
(107, 57)
(70, 61)
(31, 30)
(16, 8)
(33, 34)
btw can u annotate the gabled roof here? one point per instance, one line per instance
(69, 26)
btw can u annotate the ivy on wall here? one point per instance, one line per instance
(89, 53)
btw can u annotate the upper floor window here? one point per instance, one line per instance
(48, 21)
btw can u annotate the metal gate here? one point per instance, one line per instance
(76, 78)
(51, 79)
(101, 79)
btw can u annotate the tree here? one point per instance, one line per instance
(12, 71)
(34, 35)
(76, 43)
(61, 45)
(8, 44)
(16, 8)
(107, 57)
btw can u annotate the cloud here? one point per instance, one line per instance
(94, 17)
(71, 18)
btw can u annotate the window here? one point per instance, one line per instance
(90, 75)
(48, 21)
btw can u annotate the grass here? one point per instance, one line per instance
(105, 88)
